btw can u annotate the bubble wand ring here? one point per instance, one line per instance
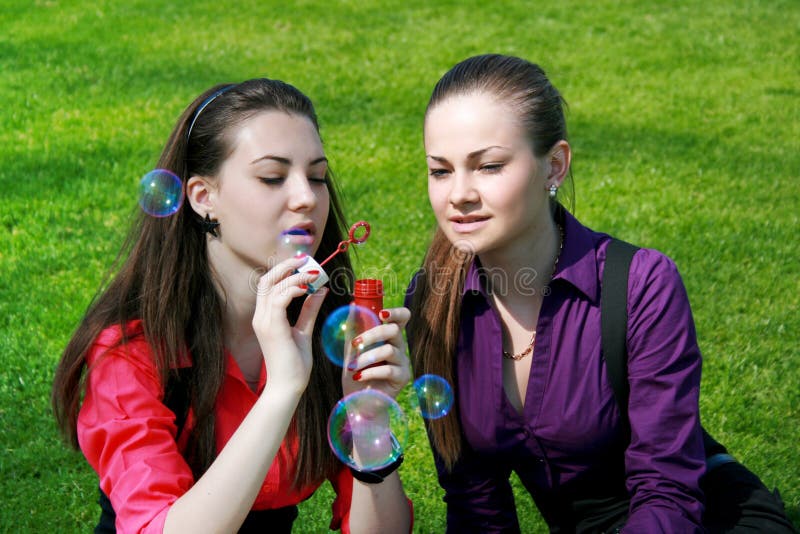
(352, 239)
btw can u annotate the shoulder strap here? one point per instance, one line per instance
(614, 317)
(614, 327)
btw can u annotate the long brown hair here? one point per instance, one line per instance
(436, 301)
(165, 280)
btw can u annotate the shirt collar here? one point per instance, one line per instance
(577, 263)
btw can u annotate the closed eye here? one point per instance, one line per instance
(272, 180)
(437, 173)
(492, 168)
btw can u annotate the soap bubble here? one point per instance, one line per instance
(293, 242)
(341, 327)
(435, 396)
(367, 430)
(160, 193)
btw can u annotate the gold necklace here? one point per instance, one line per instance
(529, 348)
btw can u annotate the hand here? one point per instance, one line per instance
(286, 349)
(385, 367)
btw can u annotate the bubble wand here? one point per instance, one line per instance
(344, 245)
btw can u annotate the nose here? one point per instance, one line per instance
(462, 190)
(301, 195)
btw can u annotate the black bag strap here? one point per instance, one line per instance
(735, 497)
(614, 317)
(614, 328)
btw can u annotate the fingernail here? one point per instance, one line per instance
(303, 287)
(314, 272)
(357, 376)
(301, 255)
(356, 342)
(384, 314)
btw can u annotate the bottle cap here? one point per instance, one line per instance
(368, 292)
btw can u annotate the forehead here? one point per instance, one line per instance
(475, 119)
(276, 133)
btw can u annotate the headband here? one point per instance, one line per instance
(203, 106)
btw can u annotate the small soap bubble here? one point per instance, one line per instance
(341, 327)
(293, 242)
(367, 430)
(435, 396)
(160, 193)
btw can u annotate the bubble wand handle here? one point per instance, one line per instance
(342, 247)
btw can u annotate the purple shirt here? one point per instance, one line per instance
(570, 443)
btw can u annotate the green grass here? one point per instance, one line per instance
(684, 119)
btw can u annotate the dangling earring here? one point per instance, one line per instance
(210, 225)
(553, 191)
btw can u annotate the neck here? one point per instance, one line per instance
(236, 285)
(527, 265)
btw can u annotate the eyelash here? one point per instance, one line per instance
(279, 180)
(493, 168)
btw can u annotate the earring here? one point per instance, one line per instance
(553, 191)
(210, 225)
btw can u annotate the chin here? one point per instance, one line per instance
(465, 246)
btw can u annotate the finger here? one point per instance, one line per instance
(399, 316)
(281, 294)
(386, 333)
(397, 375)
(308, 314)
(280, 272)
(381, 355)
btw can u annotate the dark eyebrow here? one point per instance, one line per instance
(287, 161)
(475, 154)
(472, 155)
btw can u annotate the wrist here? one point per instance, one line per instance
(376, 476)
(282, 393)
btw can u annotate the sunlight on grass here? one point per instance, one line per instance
(684, 119)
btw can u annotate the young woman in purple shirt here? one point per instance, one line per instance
(507, 309)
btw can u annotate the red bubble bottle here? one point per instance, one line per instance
(368, 293)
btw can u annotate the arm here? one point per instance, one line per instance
(381, 507)
(222, 497)
(665, 459)
(128, 434)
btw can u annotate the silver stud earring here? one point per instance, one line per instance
(553, 191)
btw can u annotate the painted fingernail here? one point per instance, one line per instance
(357, 376)
(301, 255)
(384, 314)
(357, 342)
(314, 272)
(303, 287)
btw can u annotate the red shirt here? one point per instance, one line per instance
(128, 436)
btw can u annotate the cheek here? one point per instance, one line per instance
(324, 204)
(437, 196)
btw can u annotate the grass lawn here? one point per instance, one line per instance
(684, 120)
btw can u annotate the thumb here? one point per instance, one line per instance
(308, 314)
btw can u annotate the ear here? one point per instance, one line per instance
(201, 194)
(559, 158)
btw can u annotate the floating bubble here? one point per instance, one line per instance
(293, 242)
(435, 396)
(341, 327)
(160, 193)
(367, 430)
